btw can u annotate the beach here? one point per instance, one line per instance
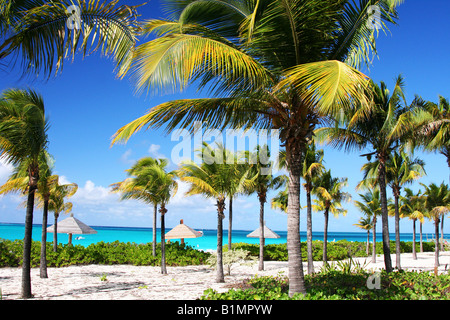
(127, 282)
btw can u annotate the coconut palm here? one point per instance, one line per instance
(233, 48)
(211, 179)
(365, 223)
(23, 137)
(401, 170)
(370, 206)
(43, 33)
(262, 181)
(280, 201)
(329, 199)
(379, 129)
(138, 187)
(437, 202)
(412, 206)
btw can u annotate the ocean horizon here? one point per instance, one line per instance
(139, 235)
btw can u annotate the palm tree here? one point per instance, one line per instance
(138, 187)
(380, 129)
(210, 179)
(401, 169)
(412, 207)
(311, 168)
(371, 208)
(23, 137)
(261, 182)
(58, 205)
(232, 48)
(38, 32)
(365, 223)
(437, 204)
(280, 201)
(330, 197)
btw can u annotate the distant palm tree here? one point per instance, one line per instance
(138, 187)
(329, 199)
(365, 223)
(262, 181)
(370, 206)
(381, 129)
(210, 179)
(40, 32)
(23, 137)
(437, 203)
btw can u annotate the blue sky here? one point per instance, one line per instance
(86, 104)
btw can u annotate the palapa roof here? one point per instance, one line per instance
(267, 233)
(182, 231)
(72, 225)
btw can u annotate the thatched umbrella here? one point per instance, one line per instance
(71, 226)
(182, 232)
(267, 233)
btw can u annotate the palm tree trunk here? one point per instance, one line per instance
(309, 231)
(220, 216)
(163, 211)
(384, 215)
(374, 241)
(26, 265)
(43, 263)
(295, 264)
(325, 237)
(414, 254)
(368, 240)
(55, 233)
(261, 235)
(155, 213)
(397, 231)
(230, 222)
(442, 232)
(421, 237)
(436, 246)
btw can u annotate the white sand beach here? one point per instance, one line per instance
(126, 282)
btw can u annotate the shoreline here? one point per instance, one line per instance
(128, 282)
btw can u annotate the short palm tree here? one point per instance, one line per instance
(370, 206)
(23, 137)
(233, 48)
(329, 199)
(380, 129)
(365, 223)
(210, 179)
(43, 33)
(138, 187)
(437, 203)
(262, 181)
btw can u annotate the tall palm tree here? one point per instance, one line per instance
(43, 33)
(23, 137)
(401, 169)
(329, 199)
(379, 129)
(311, 168)
(210, 179)
(412, 207)
(262, 181)
(138, 187)
(370, 206)
(437, 202)
(233, 48)
(365, 223)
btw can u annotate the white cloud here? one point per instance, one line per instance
(125, 158)
(154, 151)
(6, 170)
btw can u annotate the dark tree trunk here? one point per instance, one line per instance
(325, 237)
(374, 241)
(220, 278)
(414, 254)
(436, 246)
(397, 230)
(368, 242)
(230, 222)
(163, 211)
(262, 200)
(43, 263)
(421, 237)
(155, 213)
(55, 233)
(295, 264)
(309, 230)
(442, 232)
(384, 215)
(26, 265)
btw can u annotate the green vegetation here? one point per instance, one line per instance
(101, 253)
(343, 284)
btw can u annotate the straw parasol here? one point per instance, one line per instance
(182, 232)
(71, 226)
(267, 233)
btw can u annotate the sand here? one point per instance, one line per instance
(125, 282)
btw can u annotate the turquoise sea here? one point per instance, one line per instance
(13, 231)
